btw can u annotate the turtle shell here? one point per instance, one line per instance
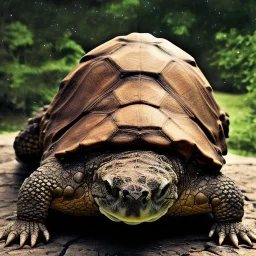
(136, 90)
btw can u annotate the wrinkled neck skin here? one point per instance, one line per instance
(136, 186)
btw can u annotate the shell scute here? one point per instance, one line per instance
(140, 89)
(139, 116)
(141, 57)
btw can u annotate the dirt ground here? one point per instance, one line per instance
(100, 237)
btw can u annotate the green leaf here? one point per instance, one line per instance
(17, 35)
(180, 22)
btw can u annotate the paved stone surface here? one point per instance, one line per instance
(97, 236)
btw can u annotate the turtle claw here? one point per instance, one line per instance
(44, 231)
(4, 232)
(33, 239)
(246, 238)
(1, 235)
(233, 238)
(23, 238)
(10, 238)
(252, 235)
(232, 231)
(46, 235)
(212, 230)
(24, 229)
(221, 238)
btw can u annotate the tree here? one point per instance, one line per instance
(234, 55)
(26, 85)
(17, 37)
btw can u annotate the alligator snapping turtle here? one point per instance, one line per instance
(134, 133)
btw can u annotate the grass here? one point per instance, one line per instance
(234, 104)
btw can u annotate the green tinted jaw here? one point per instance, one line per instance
(144, 216)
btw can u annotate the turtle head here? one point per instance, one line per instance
(135, 187)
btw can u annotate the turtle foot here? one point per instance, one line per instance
(232, 230)
(24, 230)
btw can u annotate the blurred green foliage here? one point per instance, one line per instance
(17, 36)
(235, 57)
(27, 82)
(245, 137)
(42, 41)
(242, 130)
(180, 22)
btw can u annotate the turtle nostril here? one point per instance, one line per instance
(145, 193)
(125, 192)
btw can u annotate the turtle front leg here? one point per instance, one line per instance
(34, 199)
(227, 208)
(219, 195)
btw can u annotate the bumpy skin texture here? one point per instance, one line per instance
(66, 185)
(27, 145)
(60, 185)
(218, 194)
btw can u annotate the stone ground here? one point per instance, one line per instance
(100, 237)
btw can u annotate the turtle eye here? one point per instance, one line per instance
(191, 62)
(164, 190)
(108, 187)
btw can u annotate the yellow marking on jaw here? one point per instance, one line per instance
(145, 215)
(131, 220)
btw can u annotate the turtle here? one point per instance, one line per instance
(134, 133)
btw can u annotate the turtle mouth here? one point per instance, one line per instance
(144, 216)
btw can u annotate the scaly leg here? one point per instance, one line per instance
(34, 199)
(217, 194)
(53, 181)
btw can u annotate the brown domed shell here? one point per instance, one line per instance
(136, 90)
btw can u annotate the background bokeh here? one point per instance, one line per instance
(42, 41)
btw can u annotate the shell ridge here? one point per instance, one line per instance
(187, 107)
(89, 56)
(91, 106)
(58, 141)
(202, 132)
(204, 93)
(172, 55)
(60, 108)
(56, 134)
(104, 93)
(67, 87)
(201, 89)
(176, 97)
(194, 141)
(98, 124)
